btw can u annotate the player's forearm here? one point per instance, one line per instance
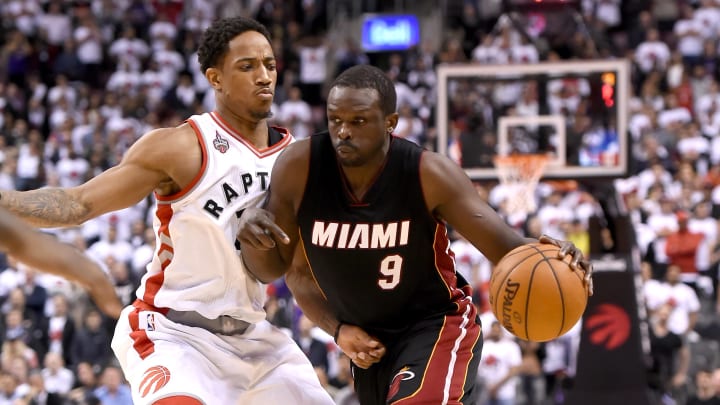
(265, 265)
(47, 207)
(311, 301)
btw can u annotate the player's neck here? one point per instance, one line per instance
(254, 131)
(361, 178)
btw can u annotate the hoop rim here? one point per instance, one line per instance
(526, 166)
(521, 158)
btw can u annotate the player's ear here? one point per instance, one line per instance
(214, 77)
(391, 121)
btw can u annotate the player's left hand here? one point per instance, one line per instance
(364, 350)
(578, 261)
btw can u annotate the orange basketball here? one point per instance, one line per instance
(535, 295)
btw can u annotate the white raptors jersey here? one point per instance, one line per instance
(196, 266)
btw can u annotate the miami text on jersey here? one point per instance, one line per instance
(360, 236)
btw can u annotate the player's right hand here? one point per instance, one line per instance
(259, 230)
(364, 350)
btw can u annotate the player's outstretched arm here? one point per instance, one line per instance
(268, 236)
(450, 194)
(143, 168)
(363, 349)
(47, 254)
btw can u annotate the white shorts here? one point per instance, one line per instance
(161, 358)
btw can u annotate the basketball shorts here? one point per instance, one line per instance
(162, 358)
(435, 362)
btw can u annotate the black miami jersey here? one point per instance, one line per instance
(383, 262)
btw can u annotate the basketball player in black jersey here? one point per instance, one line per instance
(372, 265)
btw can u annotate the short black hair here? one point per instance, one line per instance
(214, 41)
(370, 77)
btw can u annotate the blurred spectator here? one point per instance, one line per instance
(499, 368)
(680, 299)
(315, 350)
(669, 354)
(113, 390)
(92, 342)
(295, 114)
(57, 379)
(705, 394)
(652, 53)
(87, 382)
(688, 250)
(38, 394)
(59, 329)
(409, 126)
(10, 388)
(559, 364)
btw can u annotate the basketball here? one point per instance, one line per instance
(535, 295)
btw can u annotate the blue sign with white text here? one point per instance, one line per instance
(390, 32)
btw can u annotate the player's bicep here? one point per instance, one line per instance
(451, 196)
(141, 170)
(287, 185)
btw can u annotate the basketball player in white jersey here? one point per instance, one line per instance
(197, 333)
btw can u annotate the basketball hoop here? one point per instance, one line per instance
(520, 174)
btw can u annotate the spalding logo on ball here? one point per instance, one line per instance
(534, 293)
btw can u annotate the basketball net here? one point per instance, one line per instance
(520, 174)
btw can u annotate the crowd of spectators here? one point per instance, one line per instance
(80, 81)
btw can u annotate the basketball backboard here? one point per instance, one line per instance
(575, 112)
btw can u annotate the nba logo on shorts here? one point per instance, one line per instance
(150, 322)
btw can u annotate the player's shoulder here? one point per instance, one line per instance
(436, 164)
(167, 146)
(171, 137)
(292, 166)
(299, 150)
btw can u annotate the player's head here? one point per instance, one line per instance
(361, 114)
(238, 61)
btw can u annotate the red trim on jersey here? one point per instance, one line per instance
(141, 342)
(177, 400)
(312, 273)
(199, 174)
(450, 359)
(444, 263)
(258, 152)
(153, 283)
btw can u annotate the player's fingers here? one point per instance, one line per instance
(377, 353)
(360, 362)
(546, 239)
(273, 230)
(257, 237)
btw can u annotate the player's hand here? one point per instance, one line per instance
(101, 290)
(364, 350)
(110, 305)
(578, 261)
(259, 230)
